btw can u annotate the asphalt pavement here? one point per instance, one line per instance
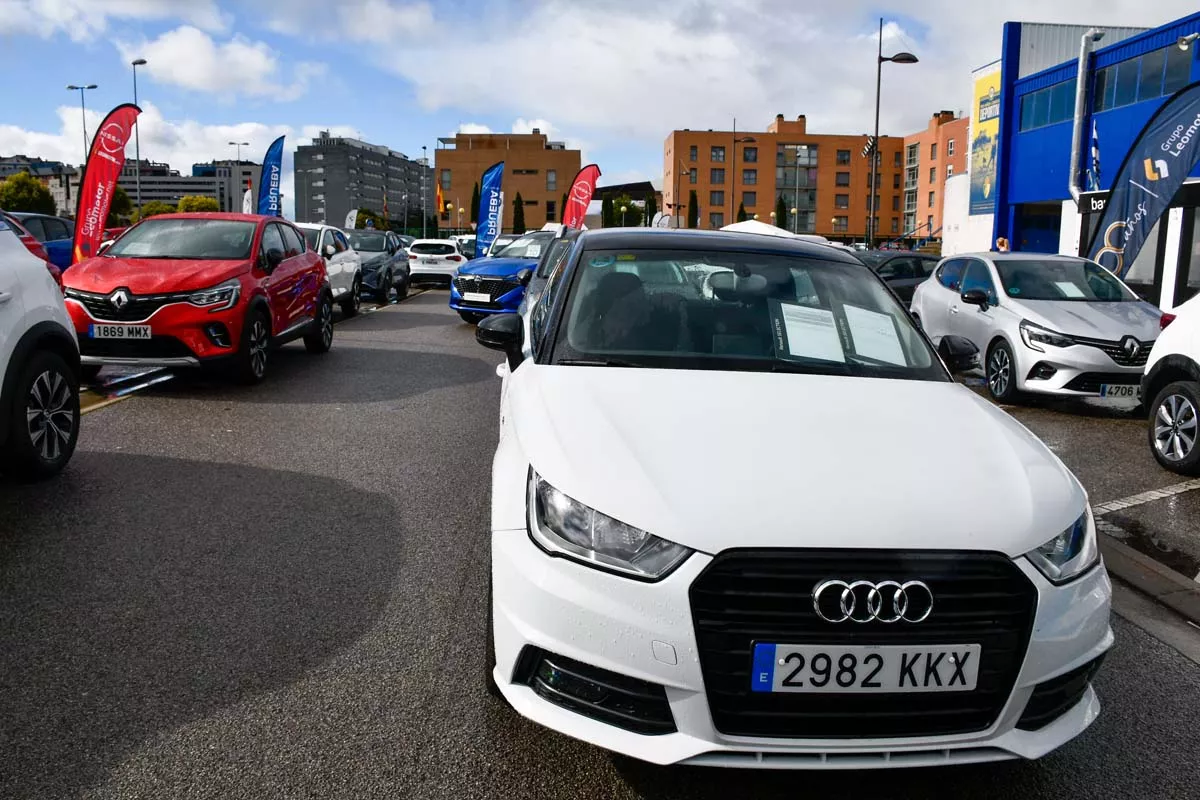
(279, 592)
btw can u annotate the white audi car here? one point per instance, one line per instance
(766, 529)
(1047, 324)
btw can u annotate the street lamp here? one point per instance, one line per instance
(137, 138)
(623, 210)
(772, 217)
(83, 115)
(239, 146)
(795, 220)
(898, 58)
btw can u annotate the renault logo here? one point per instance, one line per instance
(1131, 346)
(864, 601)
(119, 299)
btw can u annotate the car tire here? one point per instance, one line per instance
(385, 289)
(44, 421)
(352, 302)
(89, 372)
(402, 290)
(1173, 423)
(471, 318)
(1001, 373)
(250, 362)
(489, 661)
(320, 335)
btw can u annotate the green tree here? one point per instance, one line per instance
(518, 223)
(364, 214)
(606, 213)
(693, 210)
(741, 215)
(154, 208)
(563, 208)
(196, 202)
(475, 204)
(632, 218)
(121, 209)
(651, 209)
(781, 212)
(23, 192)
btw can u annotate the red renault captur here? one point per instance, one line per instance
(182, 290)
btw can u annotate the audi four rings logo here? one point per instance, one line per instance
(864, 601)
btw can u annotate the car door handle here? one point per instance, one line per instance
(5, 297)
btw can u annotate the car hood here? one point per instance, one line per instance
(496, 267)
(370, 259)
(715, 460)
(149, 275)
(1110, 321)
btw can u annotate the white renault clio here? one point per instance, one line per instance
(764, 528)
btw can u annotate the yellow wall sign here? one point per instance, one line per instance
(985, 133)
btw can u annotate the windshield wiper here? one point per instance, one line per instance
(596, 362)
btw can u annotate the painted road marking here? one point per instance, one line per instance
(1145, 497)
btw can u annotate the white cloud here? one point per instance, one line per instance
(189, 58)
(473, 127)
(384, 22)
(83, 20)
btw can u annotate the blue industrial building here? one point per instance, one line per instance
(1131, 73)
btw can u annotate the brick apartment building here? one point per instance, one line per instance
(930, 157)
(537, 168)
(823, 179)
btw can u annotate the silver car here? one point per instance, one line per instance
(1047, 324)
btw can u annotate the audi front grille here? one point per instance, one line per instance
(748, 596)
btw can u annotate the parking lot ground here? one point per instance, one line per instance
(279, 592)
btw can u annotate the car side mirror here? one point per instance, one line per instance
(525, 276)
(975, 297)
(272, 259)
(330, 251)
(104, 246)
(504, 332)
(959, 354)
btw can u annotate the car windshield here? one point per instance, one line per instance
(525, 247)
(310, 236)
(558, 251)
(1061, 279)
(872, 259)
(368, 242)
(742, 311)
(205, 239)
(432, 249)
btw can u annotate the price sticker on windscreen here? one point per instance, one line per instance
(874, 335)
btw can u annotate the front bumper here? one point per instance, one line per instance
(645, 631)
(507, 302)
(1076, 371)
(182, 336)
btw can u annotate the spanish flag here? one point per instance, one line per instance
(440, 202)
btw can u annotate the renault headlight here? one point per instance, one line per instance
(1034, 335)
(1071, 553)
(218, 298)
(559, 524)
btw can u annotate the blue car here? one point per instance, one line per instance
(492, 285)
(55, 234)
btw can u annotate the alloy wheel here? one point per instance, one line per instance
(355, 300)
(327, 323)
(1175, 427)
(258, 348)
(49, 416)
(999, 372)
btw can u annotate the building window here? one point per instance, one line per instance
(750, 177)
(929, 224)
(716, 198)
(933, 152)
(895, 202)
(750, 155)
(717, 154)
(841, 224)
(793, 155)
(950, 147)
(716, 175)
(843, 157)
(551, 180)
(931, 198)
(692, 154)
(843, 179)
(445, 179)
(693, 175)
(716, 219)
(1048, 106)
(551, 208)
(932, 175)
(896, 180)
(841, 201)
(896, 160)
(749, 199)
(949, 170)
(913, 155)
(895, 225)
(1155, 74)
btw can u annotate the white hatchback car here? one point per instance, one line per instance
(714, 540)
(437, 259)
(1047, 324)
(342, 262)
(1171, 390)
(39, 366)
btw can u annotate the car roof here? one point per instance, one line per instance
(995, 256)
(726, 241)
(227, 216)
(28, 214)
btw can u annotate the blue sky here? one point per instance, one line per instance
(613, 77)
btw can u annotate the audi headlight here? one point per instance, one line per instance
(559, 524)
(1034, 335)
(218, 298)
(1071, 553)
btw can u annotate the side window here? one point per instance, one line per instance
(340, 241)
(898, 269)
(56, 230)
(977, 277)
(950, 275)
(271, 240)
(925, 267)
(541, 314)
(293, 242)
(34, 226)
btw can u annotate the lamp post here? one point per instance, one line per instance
(83, 116)
(898, 58)
(137, 139)
(733, 170)
(458, 227)
(678, 205)
(239, 146)
(795, 220)
(424, 191)
(623, 210)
